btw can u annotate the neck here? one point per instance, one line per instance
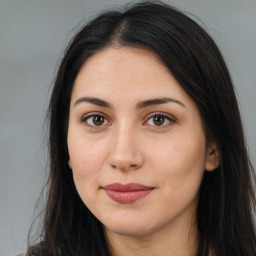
(178, 240)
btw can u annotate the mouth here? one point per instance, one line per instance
(127, 193)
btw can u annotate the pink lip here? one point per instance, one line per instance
(127, 193)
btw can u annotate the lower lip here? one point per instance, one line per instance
(126, 197)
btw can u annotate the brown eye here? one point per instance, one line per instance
(98, 120)
(94, 120)
(159, 120)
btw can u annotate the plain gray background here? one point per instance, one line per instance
(33, 34)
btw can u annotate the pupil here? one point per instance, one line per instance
(98, 120)
(158, 120)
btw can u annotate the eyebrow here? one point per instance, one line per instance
(139, 105)
(94, 101)
(158, 101)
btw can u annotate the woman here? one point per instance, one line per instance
(147, 153)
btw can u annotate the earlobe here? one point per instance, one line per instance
(213, 158)
(69, 164)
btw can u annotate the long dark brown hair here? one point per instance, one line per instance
(226, 199)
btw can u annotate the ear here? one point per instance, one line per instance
(212, 158)
(69, 164)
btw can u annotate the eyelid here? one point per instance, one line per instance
(91, 114)
(165, 115)
(147, 118)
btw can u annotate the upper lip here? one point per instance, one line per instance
(126, 187)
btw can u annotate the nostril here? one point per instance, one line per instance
(125, 167)
(113, 166)
(125, 155)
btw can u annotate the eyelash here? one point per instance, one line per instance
(166, 117)
(85, 118)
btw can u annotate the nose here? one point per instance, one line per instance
(126, 153)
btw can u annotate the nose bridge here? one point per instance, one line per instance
(125, 151)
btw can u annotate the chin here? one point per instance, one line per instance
(129, 226)
(129, 231)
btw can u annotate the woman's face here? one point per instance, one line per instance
(136, 143)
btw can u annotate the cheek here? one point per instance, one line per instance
(85, 169)
(181, 163)
(85, 164)
(85, 154)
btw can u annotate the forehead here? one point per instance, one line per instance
(126, 60)
(126, 73)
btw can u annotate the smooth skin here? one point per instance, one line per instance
(131, 122)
